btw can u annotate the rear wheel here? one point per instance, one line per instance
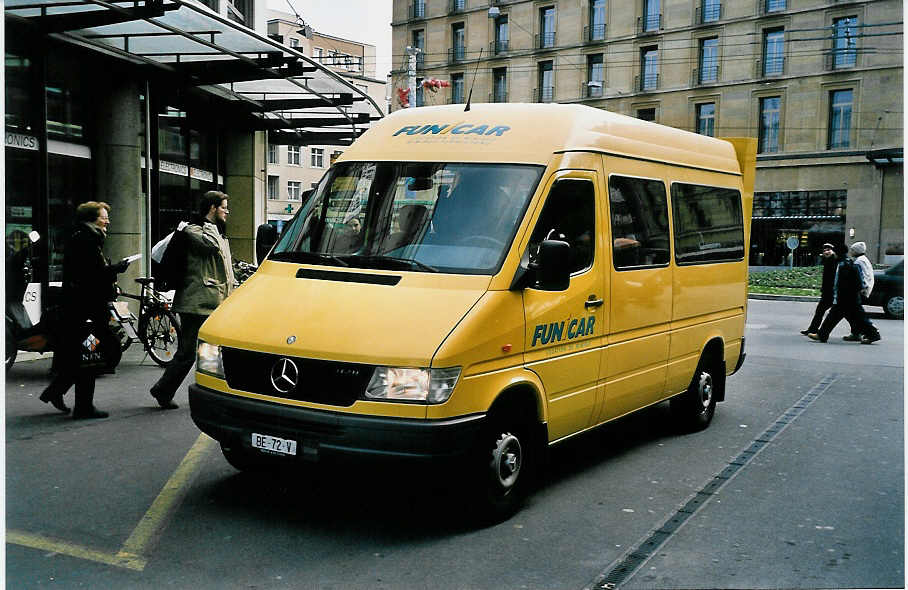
(894, 306)
(160, 333)
(694, 409)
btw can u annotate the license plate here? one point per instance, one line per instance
(273, 444)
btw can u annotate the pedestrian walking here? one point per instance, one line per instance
(207, 281)
(88, 286)
(830, 262)
(847, 303)
(867, 332)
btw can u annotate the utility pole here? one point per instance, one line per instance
(412, 52)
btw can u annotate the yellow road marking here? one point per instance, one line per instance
(133, 553)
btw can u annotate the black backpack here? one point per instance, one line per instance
(168, 274)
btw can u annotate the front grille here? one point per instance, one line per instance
(322, 382)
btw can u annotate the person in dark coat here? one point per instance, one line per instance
(88, 285)
(846, 301)
(830, 263)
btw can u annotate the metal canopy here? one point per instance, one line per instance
(268, 85)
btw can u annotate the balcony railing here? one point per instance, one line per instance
(592, 89)
(841, 59)
(770, 66)
(705, 75)
(544, 94)
(594, 33)
(417, 10)
(499, 47)
(545, 40)
(498, 97)
(456, 54)
(646, 82)
(649, 24)
(708, 14)
(455, 6)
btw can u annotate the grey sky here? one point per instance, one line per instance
(368, 21)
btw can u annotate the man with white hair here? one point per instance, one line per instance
(869, 333)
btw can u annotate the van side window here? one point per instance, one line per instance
(709, 225)
(639, 215)
(570, 215)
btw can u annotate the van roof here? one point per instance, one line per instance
(531, 133)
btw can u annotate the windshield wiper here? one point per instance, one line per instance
(307, 257)
(407, 263)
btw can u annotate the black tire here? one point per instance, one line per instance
(894, 307)
(11, 350)
(694, 409)
(241, 459)
(121, 336)
(503, 464)
(161, 335)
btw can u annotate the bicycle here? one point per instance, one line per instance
(156, 327)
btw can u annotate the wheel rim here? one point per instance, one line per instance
(896, 306)
(507, 460)
(705, 391)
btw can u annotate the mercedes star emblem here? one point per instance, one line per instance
(291, 339)
(284, 375)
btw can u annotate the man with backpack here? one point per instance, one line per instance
(207, 279)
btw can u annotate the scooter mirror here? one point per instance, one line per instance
(34, 236)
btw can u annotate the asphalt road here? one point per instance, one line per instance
(798, 483)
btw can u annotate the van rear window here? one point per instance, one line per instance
(709, 225)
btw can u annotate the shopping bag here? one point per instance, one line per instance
(92, 350)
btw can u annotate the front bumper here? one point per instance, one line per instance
(231, 420)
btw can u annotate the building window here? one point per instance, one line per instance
(318, 53)
(293, 155)
(419, 42)
(500, 85)
(845, 42)
(273, 158)
(709, 60)
(597, 21)
(652, 15)
(546, 92)
(770, 111)
(420, 94)
(706, 119)
(639, 218)
(546, 27)
(595, 75)
(649, 58)
(317, 157)
(274, 183)
(773, 52)
(458, 48)
(294, 190)
(840, 103)
(418, 9)
(775, 5)
(501, 34)
(711, 11)
(457, 88)
(648, 114)
(294, 42)
(793, 203)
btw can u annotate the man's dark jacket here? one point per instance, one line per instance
(828, 285)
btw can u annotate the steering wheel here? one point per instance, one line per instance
(468, 240)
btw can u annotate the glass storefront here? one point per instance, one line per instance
(814, 217)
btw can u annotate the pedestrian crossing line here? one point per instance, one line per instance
(133, 554)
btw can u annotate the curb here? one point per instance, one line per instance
(767, 297)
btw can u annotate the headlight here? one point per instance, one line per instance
(431, 386)
(209, 360)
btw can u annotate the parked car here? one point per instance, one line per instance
(888, 290)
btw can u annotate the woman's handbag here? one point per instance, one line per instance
(91, 352)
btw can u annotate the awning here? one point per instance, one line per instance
(267, 85)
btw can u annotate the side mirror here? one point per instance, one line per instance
(553, 266)
(265, 238)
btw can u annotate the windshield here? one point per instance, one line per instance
(427, 217)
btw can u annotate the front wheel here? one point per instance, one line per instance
(694, 409)
(894, 306)
(160, 334)
(505, 458)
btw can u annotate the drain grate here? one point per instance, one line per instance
(634, 560)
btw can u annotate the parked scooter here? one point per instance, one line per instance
(21, 334)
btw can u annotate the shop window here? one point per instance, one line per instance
(709, 226)
(639, 218)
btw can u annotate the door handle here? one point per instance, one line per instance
(593, 302)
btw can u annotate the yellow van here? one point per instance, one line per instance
(483, 285)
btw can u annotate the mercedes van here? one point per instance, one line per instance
(482, 285)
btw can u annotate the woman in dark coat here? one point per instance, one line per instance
(88, 282)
